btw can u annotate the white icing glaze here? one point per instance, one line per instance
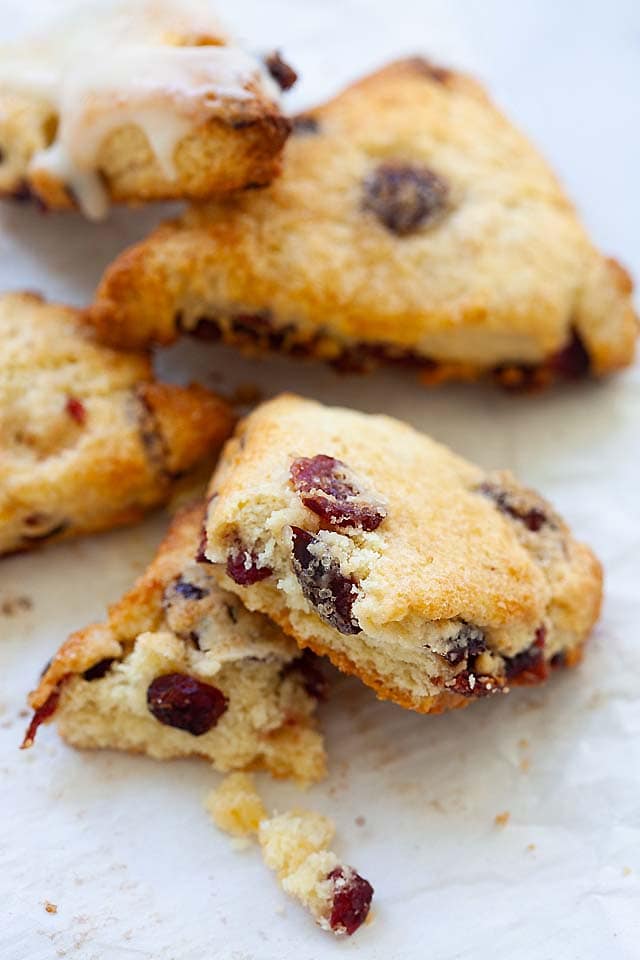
(114, 64)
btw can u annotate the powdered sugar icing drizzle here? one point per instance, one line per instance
(165, 66)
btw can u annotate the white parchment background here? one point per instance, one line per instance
(122, 844)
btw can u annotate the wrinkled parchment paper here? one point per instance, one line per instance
(121, 845)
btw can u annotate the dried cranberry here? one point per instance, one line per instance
(328, 488)
(322, 583)
(529, 667)
(533, 518)
(99, 669)
(243, 568)
(470, 684)
(467, 643)
(206, 329)
(313, 679)
(189, 591)
(201, 556)
(178, 700)
(43, 713)
(559, 659)
(571, 362)
(351, 900)
(76, 410)
(405, 197)
(284, 75)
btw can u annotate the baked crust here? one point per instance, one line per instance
(465, 584)
(502, 281)
(88, 439)
(228, 139)
(269, 720)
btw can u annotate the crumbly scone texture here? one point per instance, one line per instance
(431, 580)
(296, 846)
(182, 669)
(412, 224)
(230, 144)
(88, 439)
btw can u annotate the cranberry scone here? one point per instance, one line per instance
(88, 439)
(430, 579)
(412, 225)
(296, 846)
(135, 102)
(182, 669)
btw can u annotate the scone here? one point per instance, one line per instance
(296, 846)
(180, 668)
(431, 580)
(412, 225)
(88, 439)
(135, 102)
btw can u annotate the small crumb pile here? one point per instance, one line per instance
(296, 846)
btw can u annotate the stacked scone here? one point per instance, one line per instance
(411, 225)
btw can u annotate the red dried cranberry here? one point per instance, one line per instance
(284, 75)
(43, 713)
(470, 684)
(178, 700)
(76, 410)
(328, 488)
(313, 679)
(467, 643)
(322, 583)
(559, 659)
(529, 667)
(352, 896)
(573, 361)
(201, 556)
(405, 197)
(99, 669)
(243, 568)
(533, 518)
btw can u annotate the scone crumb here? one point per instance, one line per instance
(295, 845)
(360, 821)
(626, 871)
(12, 606)
(50, 907)
(502, 819)
(236, 807)
(531, 847)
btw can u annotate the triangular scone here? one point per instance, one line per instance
(431, 580)
(181, 669)
(412, 225)
(135, 102)
(88, 439)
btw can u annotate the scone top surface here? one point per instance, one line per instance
(412, 222)
(439, 552)
(398, 559)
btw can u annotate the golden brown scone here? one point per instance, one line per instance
(295, 845)
(139, 101)
(88, 439)
(412, 225)
(180, 668)
(431, 580)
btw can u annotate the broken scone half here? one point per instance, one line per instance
(431, 580)
(88, 439)
(413, 225)
(296, 845)
(180, 668)
(135, 102)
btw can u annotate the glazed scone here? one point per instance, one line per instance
(431, 580)
(182, 669)
(88, 439)
(296, 846)
(412, 225)
(135, 102)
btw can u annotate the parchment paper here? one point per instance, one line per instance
(122, 844)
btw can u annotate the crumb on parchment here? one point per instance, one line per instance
(502, 819)
(50, 907)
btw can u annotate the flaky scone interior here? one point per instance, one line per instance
(413, 225)
(89, 440)
(430, 579)
(137, 101)
(181, 669)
